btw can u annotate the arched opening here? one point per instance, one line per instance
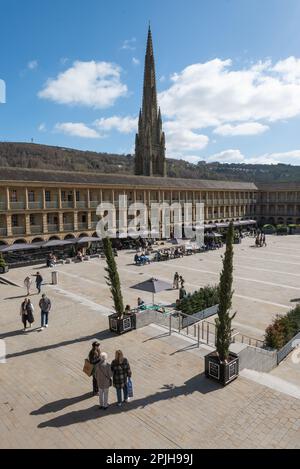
(69, 236)
(54, 238)
(37, 240)
(95, 235)
(280, 221)
(83, 235)
(20, 241)
(3, 243)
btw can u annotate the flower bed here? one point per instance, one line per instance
(199, 300)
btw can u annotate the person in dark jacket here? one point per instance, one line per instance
(38, 282)
(94, 359)
(121, 372)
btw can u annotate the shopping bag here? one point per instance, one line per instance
(129, 388)
(88, 368)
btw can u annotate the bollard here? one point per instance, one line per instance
(54, 278)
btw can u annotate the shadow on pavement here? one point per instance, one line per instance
(198, 383)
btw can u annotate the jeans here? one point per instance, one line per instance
(44, 318)
(39, 286)
(103, 397)
(119, 394)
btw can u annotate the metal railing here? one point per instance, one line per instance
(94, 203)
(2, 206)
(36, 229)
(284, 351)
(247, 340)
(67, 204)
(53, 228)
(52, 204)
(18, 230)
(81, 204)
(35, 205)
(82, 226)
(3, 232)
(68, 227)
(17, 205)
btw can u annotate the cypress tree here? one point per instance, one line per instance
(113, 279)
(224, 320)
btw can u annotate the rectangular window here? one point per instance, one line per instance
(48, 196)
(32, 219)
(30, 196)
(77, 196)
(14, 220)
(13, 196)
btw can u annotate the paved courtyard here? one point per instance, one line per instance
(45, 399)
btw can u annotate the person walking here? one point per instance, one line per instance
(176, 281)
(23, 313)
(38, 282)
(94, 359)
(121, 372)
(103, 375)
(27, 283)
(45, 305)
(264, 242)
(182, 281)
(30, 311)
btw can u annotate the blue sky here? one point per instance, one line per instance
(228, 75)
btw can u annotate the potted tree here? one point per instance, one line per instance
(120, 321)
(223, 365)
(3, 265)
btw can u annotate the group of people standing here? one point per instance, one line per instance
(105, 374)
(260, 240)
(178, 284)
(38, 282)
(27, 312)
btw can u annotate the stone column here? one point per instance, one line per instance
(8, 225)
(27, 223)
(45, 223)
(7, 198)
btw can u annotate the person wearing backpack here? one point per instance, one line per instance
(121, 372)
(103, 375)
(45, 305)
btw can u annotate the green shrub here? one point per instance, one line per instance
(283, 329)
(2, 261)
(201, 299)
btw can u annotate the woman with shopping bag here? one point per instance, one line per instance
(121, 372)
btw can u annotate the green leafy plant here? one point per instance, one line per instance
(224, 320)
(201, 299)
(283, 329)
(2, 261)
(113, 279)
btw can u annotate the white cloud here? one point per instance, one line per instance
(235, 156)
(249, 128)
(227, 156)
(124, 125)
(42, 127)
(129, 44)
(213, 93)
(92, 84)
(135, 61)
(181, 141)
(32, 65)
(77, 130)
(289, 69)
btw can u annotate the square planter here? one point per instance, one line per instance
(223, 373)
(120, 326)
(4, 270)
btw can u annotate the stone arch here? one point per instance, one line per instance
(20, 241)
(3, 243)
(69, 236)
(54, 238)
(37, 240)
(83, 235)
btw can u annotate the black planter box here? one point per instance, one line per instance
(4, 270)
(120, 326)
(224, 373)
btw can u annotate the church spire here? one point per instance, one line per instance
(150, 145)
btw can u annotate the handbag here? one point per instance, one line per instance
(88, 368)
(129, 388)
